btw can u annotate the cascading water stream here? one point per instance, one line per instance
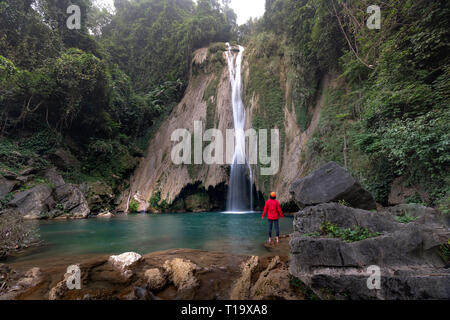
(240, 192)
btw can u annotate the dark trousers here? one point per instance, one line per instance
(277, 227)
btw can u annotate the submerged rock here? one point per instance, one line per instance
(405, 253)
(331, 183)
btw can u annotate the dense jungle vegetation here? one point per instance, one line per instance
(100, 91)
(387, 113)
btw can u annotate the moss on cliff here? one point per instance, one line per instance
(265, 82)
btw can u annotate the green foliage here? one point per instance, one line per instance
(134, 206)
(444, 203)
(306, 291)
(405, 219)
(40, 142)
(353, 234)
(217, 47)
(66, 87)
(414, 199)
(155, 199)
(264, 80)
(108, 160)
(393, 90)
(343, 203)
(14, 157)
(153, 40)
(156, 203)
(6, 199)
(444, 251)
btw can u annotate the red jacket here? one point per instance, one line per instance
(272, 209)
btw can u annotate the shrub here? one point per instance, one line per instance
(306, 291)
(352, 234)
(444, 251)
(405, 219)
(134, 206)
(218, 46)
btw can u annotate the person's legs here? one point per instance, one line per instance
(277, 229)
(270, 229)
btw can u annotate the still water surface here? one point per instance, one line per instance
(144, 233)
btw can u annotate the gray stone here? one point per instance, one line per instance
(6, 186)
(331, 183)
(63, 160)
(10, 175)
(406, 253)
(28, 171)
(55, 178)
(407, 284)
(72, 200)
(33, 203)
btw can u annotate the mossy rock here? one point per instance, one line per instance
(100, 196)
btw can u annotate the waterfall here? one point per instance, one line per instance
(240, 191)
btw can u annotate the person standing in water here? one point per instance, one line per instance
(273, 211)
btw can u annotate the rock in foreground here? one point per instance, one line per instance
(331, 183)
(124, 262)
(406, 253)
(167, 275)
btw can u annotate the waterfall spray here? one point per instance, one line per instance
(240, 192)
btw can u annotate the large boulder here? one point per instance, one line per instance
(33, 203)
(406, 253)
(331, 183)
(6, 186)
(72, 200)
(54, 178)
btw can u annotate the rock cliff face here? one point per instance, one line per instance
(208, 99)
(207, 96)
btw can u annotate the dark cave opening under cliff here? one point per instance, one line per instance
(196, 198)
